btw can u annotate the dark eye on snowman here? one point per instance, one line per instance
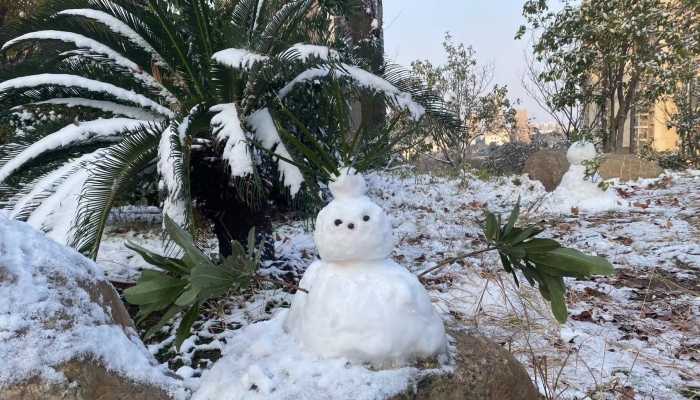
(338, 222)
(365, 218)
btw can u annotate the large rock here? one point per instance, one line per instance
(628, 167)
(64, 333)
(548, 167)
(483, 371)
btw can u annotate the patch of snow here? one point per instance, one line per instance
(265, 130)
(48, 318)
(261, 361)
(307, 51)
(228, 130)
(33, 81)
(238, 58)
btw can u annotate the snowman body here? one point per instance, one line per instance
(575, 190)
(358, 303)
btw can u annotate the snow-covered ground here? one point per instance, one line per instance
(636, 334)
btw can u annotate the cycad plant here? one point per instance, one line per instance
(214, 102)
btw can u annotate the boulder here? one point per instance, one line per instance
(64, 332)
(628, 167)
(483, 371)
(548, 167)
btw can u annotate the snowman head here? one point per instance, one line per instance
(352, 227)
(580, 151)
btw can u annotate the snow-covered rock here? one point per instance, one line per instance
(357, 303)
(63, 328)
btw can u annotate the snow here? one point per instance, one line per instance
(307, 51)
(238, 58)
(33, 81)
(47, 317)
(108, 106)
(359, 304)
(362, 78)
(580, 151)
(174, 204)
(95, 47)
(116, 26)
(261, 361)
(227, 127)
(83, 133)
(46, 184)
(576, 192)
(266, 132)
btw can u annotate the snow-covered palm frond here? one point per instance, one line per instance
(175, 203)
(106, 106)
(56, 214)
(226, 125)
(94, 47)
(117, 170)
(73, 81)
(266, 133)
(119, 27)
(363, 79)
(82, 133)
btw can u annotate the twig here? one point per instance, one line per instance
(450, 260)
(281, 282)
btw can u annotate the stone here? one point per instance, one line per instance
(484, 371)
(548, 167)
(628, 167)
(66, 333)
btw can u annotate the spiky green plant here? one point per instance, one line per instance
(193, 94)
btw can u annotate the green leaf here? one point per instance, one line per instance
(557, 293)
(183, 331)
(168, 264)
(153, 290)
(491, 226)
(512, 219)
(539, 246)
(573, 263)
(187, 297)
(193, 255)
(526, 233)
(211, 280)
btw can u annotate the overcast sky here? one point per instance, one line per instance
(414, 29)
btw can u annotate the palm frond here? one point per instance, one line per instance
(117, 169)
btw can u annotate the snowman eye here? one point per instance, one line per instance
(365, 218)
(338, 222)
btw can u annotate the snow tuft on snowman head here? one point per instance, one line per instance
(352, 227)
(580, 151)
(348, 184)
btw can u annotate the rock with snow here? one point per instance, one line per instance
(576, 191)
(482, 370)
(358, 304)
(64, 332)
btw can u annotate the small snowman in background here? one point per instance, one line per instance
(576, 190)
(359, 304)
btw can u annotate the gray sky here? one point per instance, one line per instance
(414, 29)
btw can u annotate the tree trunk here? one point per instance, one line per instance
(217, 197)
(367, 34)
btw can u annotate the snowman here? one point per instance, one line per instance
(577, 191)
(358, 304)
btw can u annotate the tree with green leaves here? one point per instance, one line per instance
(215, 104)
(465, 86)
(613, 55)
